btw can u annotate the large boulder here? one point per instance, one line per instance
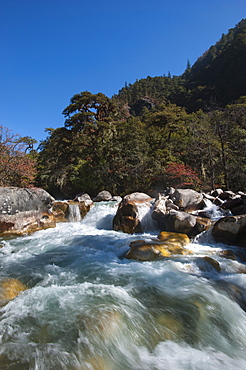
(188, 200)
(45, 197)
(131, 211)
(230, 230)
(22, 211)
(181, 222)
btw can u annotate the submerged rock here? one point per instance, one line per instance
(9, 289)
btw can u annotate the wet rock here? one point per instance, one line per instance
(179, 239)
(169, 327)
(128, 216)
(9, 289)
(154, 251)
(167, 245)
(212, 262)
(60, 211)
(230, 230)
(228, 254)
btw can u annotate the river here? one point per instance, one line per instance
(89, 308)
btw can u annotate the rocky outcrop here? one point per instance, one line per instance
(235, 203)
(230, 230)
(169, 216)
(130, 213)
(22, 211)
(167, 245)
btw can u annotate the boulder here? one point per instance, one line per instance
(22, 211)
(230, 230)
(131, 211)
(187, 199)
(177, 221)
(45, 197)
(84, 198)
(167, 245)
(179, 239)
(103, 196)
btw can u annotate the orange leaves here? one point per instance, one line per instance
(179, 174)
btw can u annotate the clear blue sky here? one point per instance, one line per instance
(53, 49)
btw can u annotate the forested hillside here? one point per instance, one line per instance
(185, 131)
(217, 77)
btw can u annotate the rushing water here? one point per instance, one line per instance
(87, 308)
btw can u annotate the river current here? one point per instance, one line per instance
(86, 307)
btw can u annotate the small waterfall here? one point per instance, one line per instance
(74, 213)
(214, 211)
(145, 217)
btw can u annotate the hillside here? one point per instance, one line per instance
(217, 77)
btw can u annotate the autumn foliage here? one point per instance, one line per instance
(16, 167)
(181, 175)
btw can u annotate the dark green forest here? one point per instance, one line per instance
(182, 131)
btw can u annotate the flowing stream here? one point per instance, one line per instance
(87, 308)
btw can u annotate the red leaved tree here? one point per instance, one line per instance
(181, 175)
(16, 167)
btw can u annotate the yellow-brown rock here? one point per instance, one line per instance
(143, 251)
(176, 238)
(10, 288)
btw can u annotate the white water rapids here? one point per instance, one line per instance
(86, 308)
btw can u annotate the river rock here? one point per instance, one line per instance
(45, 197)
(9, 289)
(188, 200)
(143, 251)
(230, 230)
(103, 196)
(60, 211)
(128, 216)
(22, 211)
(167, 245)
(179, 239)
